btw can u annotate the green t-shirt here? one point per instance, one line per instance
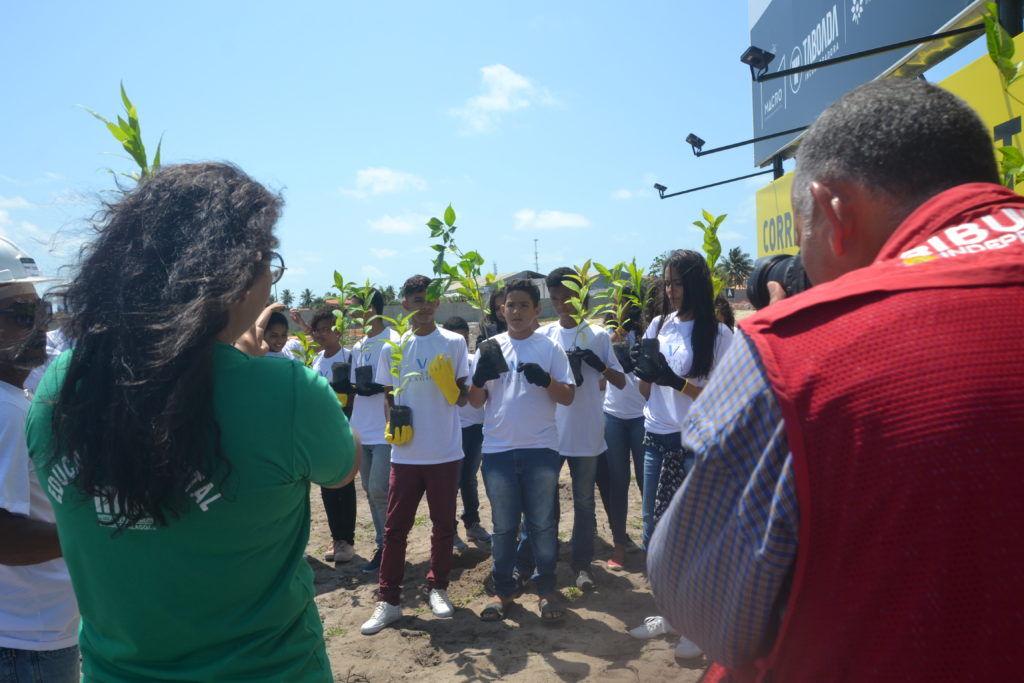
(224, 592)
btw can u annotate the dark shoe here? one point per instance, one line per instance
(374, 564)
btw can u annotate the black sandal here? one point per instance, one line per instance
(549, 606)
(495, 610)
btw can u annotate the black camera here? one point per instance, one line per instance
(785, 269)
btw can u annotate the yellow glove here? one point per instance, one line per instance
(343, 399)
(402, 436)
(440, 370)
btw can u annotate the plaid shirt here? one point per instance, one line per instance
(722, 555)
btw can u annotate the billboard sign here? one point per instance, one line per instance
(800, 32)
(977, 83)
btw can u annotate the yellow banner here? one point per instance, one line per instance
(977, 83)
(775, 232)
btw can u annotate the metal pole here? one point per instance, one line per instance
(1011, 16)
(777, 167)
(536, 261)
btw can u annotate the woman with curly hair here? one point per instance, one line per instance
(179, 468)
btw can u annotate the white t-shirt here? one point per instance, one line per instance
(581, 424)
(37, 604)
(468, 415)
(518, 414)
(626, 403)
(324, 365)
(667, 408)
(437, 436)
(368, 419)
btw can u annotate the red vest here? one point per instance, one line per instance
(902, 388)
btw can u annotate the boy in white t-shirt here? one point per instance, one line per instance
(472, 421)
(369, 419)
(340, 503)
(580, 425)
(426, 454)
(519, 378)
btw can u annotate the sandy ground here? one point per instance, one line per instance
(591, 644)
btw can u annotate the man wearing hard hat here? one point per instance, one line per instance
(38, 613)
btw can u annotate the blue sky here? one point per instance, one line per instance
(547, 121)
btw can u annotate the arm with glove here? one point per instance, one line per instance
(538, 376)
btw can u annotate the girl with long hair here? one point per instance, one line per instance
(179, 467)
(690, 341)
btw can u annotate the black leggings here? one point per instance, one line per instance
(340, 506)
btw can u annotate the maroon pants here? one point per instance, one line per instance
(408, 483)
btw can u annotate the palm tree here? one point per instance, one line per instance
(736, 267)
(306, 298)
(287, 298)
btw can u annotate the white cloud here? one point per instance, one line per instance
(503, 91)
(384, 253)
(372, 271)
(528, 219)
(623, 193)
(21, 232)
(383, 181)
(14, 203)
(406, 224)
(47, 177)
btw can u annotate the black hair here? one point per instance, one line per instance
(492, 310)
(559, 276)
(376, 301)
(277, 318)
(415, 285)
(698, 300)
(325, 312)
(456, 324)
(151, 293)
(723, 310)
(523, 286)
(904, 139)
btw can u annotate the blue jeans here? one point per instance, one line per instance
(472, 440)
(584, 522)
(375, 473)
(654, 445)
(625, 439)
(39, 666)
(523, 483)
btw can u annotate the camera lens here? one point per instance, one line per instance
(785, 269)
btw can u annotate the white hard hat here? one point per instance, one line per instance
(16, 266)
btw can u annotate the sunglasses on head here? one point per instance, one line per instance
(24, 313)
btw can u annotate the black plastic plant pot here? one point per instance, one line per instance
(491, 350)
(650, 348)
(401, 416)
(340, 381)
(576, 364)
(621, 350)
(364, 376)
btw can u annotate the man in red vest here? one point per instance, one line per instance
(855, 510)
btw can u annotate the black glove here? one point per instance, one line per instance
(365, 386)
(576, 365)
(340, 381)
(535, 374)
(490, 363)
(646, 366)
(622, 352)
(665, 376)
(591, 359)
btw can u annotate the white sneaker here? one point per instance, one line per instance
(440, 603)
(652, 628)
(385, 613)
(687, 649)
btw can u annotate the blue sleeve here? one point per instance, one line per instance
(722, 554)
